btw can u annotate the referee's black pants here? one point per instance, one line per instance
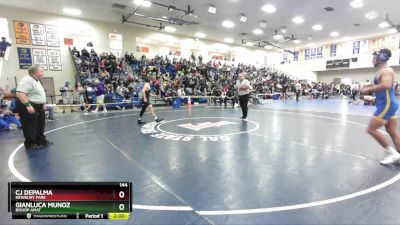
(244, 101)
(32, 124)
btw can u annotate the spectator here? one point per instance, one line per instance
(3, 46)
(7, 118)
(66, 93)
(100, 91)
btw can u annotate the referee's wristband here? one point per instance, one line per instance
(27, 104)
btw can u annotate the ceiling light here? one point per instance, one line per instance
(73, 12)
(212, 9)
(371, 15)
(249, 43)
(317, 27)
(283, 30)
(258, 31)
(170, 29)
(298, 20)
(278, 36)
(143, 3)
(165, 17)
(228, 24)
(384, 24)
(334, 34)
(268, 47)
(243, 18)
(228, 40)
(262, 24)
(268, 8)
(297, 41)
(392, 31)
(357, 4)
(200, 35)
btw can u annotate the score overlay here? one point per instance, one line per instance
(70, 200)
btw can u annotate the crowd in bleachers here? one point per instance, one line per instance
(171, 77)
(104, 78)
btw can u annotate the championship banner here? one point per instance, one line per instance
(313, 53)
(22, 34)
(39, 57)
(356, 47)
(333, 50)
(307, 54)
(295, 57)
(53, 39)
(54, 58)
(38, 34)
(24, 57)
(320, 51)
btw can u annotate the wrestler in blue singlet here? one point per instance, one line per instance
(386, 104)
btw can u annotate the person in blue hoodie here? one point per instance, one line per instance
(7, 118)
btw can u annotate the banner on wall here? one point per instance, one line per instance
(307, 54)
(24, 57)
(320, 53)
(333, 50)
(313, 53)
(22, 34)
(356, 47)
(54, 59)
(52, 36)
(295, 56)
(142, 49)
(39, 57)
(338, 64)
(68, 41)
(377, 43)
(38, 35)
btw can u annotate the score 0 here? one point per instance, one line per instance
(122, 195)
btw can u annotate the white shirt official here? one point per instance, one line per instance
(243, 83)
(33, 89)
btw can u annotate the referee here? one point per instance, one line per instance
(243, 90)
(31, 108)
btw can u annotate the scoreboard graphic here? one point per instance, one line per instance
(70, 200)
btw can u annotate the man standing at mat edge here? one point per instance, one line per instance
(243, 90)
(31, 105)
(386, 106)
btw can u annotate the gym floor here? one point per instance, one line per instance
(291, 163)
